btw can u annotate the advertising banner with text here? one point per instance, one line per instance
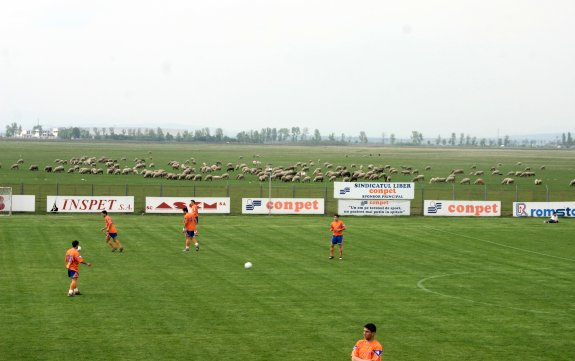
(206, 205)
(373, 190)
(283, 206)
(543, 209)
(378, 207)
(90, 204)
(462, 208)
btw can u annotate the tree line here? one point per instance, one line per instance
(268, 135)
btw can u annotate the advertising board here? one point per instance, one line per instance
(90, 204)
(206, 205)
(371, 207)
(543, 209)
(373, 190)
(283, 206)
(462, 208)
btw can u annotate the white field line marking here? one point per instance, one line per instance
(422, 287)
(501, 245)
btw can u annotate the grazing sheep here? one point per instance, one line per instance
(427, 167)
(465, 181)
(479, 172)
(48, 169)
(507, 181)
(538, 182)
(33, 168)
(479, 181)
(240, 176)
(14, 166)
(572, 183)
(496, 172)
(457, 171)
(71, 170)
(450, 179)
(318, 178)
(437, 180)
(420, 177)
(59, 169)
(20, 161)
(542, 167)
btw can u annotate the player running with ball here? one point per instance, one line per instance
(73, 260)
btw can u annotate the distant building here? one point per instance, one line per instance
(38, 134)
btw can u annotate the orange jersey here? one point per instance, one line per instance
(189, 222)
(337, 227)
(73, 259)
(110, 228)
(194, 209)
(371, 350)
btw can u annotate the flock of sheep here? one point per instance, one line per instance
(299, 172)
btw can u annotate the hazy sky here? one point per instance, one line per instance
(435, 66)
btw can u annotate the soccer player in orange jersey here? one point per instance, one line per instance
(189, 230)
(336, 227)
(73, 260)
(368, 348)
(195, 211)
(111, 233)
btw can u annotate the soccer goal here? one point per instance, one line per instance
(5, 201)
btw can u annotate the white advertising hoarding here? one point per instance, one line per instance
(90, 204)
(373, 190)
(543, 209)
(462, 208)
(373, 207)
(23, 203)
(205, 205)
(283, 206)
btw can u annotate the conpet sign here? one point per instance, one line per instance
(282, 206)
(462, 208)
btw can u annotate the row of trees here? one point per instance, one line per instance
(270, 135)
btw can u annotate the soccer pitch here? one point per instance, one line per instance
(437, 288)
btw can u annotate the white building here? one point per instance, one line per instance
(36, 133)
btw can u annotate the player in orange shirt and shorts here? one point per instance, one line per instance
(195, 211)
(368, 348)
(190, 229)
(73, 260)
(336, 227)
(111, 233)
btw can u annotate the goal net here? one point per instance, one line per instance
(5, 201)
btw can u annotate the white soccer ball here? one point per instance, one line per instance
(248, 265)
(79, 248)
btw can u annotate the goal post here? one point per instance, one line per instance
(5, 201)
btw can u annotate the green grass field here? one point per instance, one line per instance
(438, 289)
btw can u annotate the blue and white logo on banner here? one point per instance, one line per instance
(344, 190)
(250, 205)
(434, 207)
